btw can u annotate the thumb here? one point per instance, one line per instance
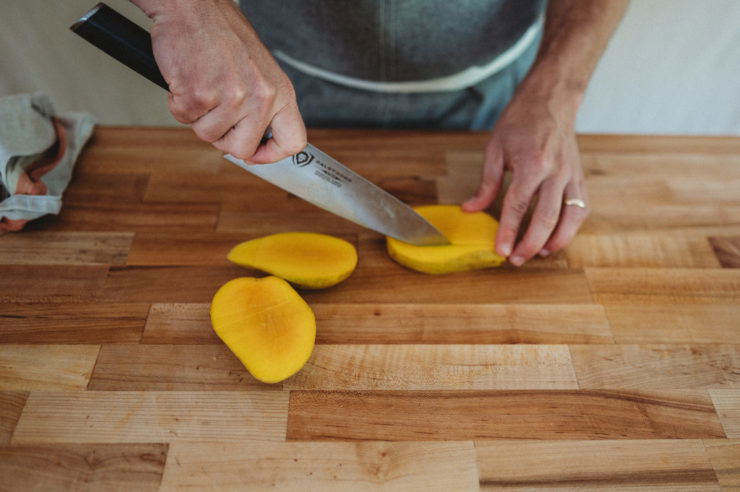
(493, 171)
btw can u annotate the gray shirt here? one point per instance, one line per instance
(392, 40)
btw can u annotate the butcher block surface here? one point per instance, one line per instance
(613, 364)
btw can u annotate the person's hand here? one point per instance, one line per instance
(534, 139)
(223, 80)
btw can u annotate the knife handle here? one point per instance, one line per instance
(125, 41)
(122, 39)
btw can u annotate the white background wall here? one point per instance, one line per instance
(672, 67)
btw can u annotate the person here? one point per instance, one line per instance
(399, 63)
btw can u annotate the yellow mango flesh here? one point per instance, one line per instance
(471, 236)
(306, 259)
(266, 324)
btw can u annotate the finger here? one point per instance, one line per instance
(216, 123)
(288, 137)
(516, 204)
(544, 220)
(244, 138)
(193, 105)
(571, 219)
(493, 172)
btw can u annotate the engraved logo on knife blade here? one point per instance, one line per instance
(303, 158)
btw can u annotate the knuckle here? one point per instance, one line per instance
(264, 94)
(549, 219)
(203, 98)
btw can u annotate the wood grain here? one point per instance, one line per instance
(656, 366)
(436, 367)
(370, 285)
(362, 466)
(152, 416)
(179, 323)
(461, 323)
(66, 248)
(145, 150)
(727, 250)
(51, 283)
(64, 323)
(238, 221)
(125, 216)
(106, 187)
(618, 465)
(727, 403)
(119, 467)
(46, 367)
(640, 250)
(168, 283)
(677, 323)
(11, 406)
(661, 285)
(463, 415)
(169, 368)
(725, 457)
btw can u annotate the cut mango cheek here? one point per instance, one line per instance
(266, 324)
(471, 236)
(308, 260)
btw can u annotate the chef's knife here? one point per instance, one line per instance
(310, 174)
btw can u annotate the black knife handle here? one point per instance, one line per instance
(122, 39)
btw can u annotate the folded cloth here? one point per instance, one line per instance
(38, 150)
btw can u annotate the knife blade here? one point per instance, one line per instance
(310, 174)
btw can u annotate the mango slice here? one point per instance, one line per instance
(267, 325)
(306, 259)
(471, 236)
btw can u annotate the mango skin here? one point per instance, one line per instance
(471, 236)
(266, 324)
(306, 259)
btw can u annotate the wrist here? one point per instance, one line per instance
(553, 84)
(159, 8)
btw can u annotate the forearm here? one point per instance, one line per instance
(575, 35)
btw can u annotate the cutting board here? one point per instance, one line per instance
(612, 364)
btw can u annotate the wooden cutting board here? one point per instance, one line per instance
(615, 363)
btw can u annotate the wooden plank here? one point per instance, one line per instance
(186, 323)
(106, 187)
(727, 403)
(408, 323)
(399, 285)
(146, 150)
(46, 367)
(170, 368)
(152, 416)
(659, 144)
(116, 215)
(727, 250)
(168, 283)
(725, 457)
(65, 248)
(674, 323)
(436, 367)
(663, 285)
(463, 415)
(51, 283)
(461, 323)
(640, 250)
(11, 406)
(189, 248)
(326, 466)
(656, 366)
(121, 467)
(263, 223)
(72, 323)
(608, 464)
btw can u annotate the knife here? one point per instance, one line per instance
(310, 174)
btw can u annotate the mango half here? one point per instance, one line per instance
(471, 236)
(266, 324)
(306, 259)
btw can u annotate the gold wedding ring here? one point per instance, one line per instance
(575, 201)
